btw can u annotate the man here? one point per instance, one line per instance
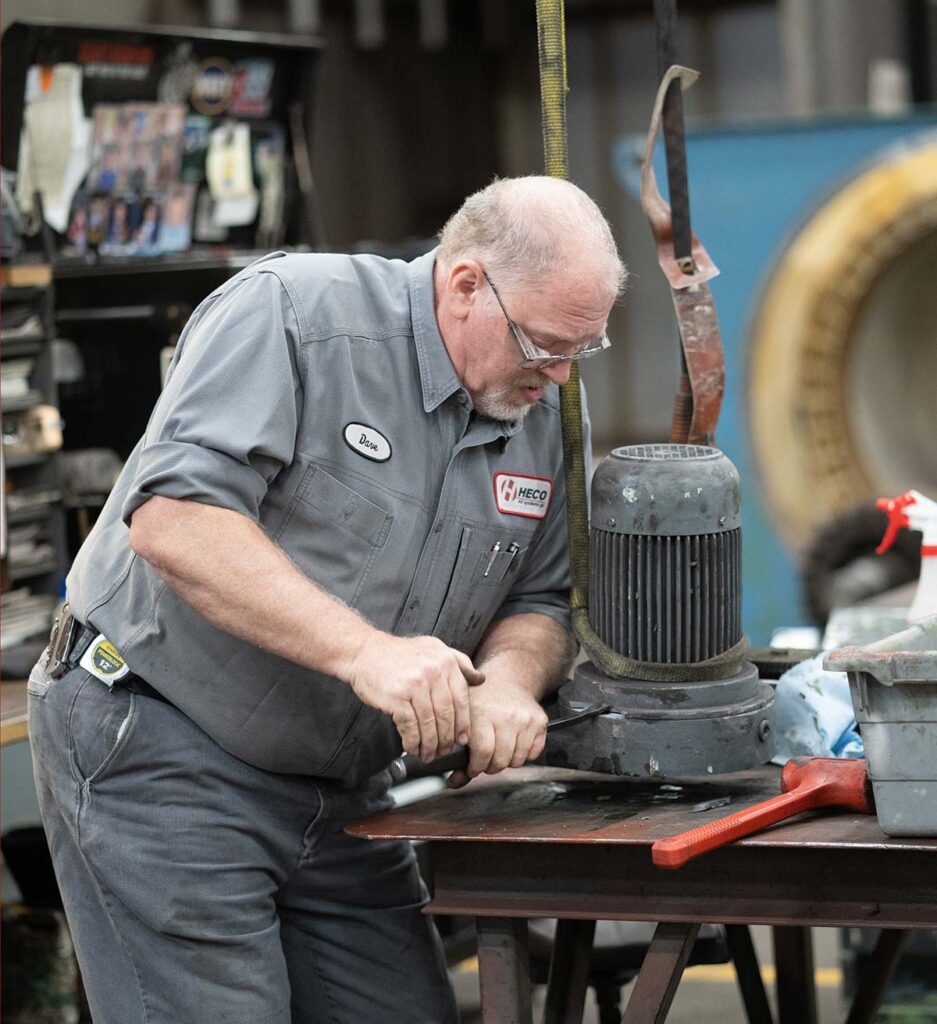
(343, 532)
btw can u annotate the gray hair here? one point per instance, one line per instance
(526, 229)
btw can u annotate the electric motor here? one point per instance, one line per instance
(665, 547)
(665, 588)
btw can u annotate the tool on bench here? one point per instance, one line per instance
(806, 783)
(409, 767)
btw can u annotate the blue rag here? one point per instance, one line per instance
(814, 714)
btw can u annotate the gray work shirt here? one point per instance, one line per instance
(314, 394)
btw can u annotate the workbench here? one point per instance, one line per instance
(548, 843)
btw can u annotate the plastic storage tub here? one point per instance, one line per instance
(893, 683)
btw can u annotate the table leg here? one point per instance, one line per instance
(504, 970)
(748, 973)
(793, 961)
(569, 972)
(876, 975)
(660, 973)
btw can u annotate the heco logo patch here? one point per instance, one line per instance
(367, 441)
(517, 495)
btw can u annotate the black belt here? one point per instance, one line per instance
(134, 684)
(67, 645)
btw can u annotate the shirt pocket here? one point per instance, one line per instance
(485, 569)
(333, 533)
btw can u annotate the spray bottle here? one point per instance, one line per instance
(913, 511)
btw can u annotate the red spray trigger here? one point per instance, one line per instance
(897, 520)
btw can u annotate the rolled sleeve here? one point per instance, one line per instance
(226, 421)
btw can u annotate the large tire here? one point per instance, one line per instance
(843, 353)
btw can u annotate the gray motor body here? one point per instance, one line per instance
(665, 553)
(665, 587)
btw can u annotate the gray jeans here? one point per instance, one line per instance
(201, 890)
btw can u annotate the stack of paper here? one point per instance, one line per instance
(27, 546)
(24, 615)
(14, 382)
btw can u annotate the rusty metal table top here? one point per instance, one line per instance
(552, 805)
(546, 842)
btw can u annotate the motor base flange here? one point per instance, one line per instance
(665, 730)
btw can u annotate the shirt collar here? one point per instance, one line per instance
(437, 374)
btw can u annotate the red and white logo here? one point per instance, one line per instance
(518, 495)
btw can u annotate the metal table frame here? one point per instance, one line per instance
(502, 885)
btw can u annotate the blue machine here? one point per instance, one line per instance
(751, 189)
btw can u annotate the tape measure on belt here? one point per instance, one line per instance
(103, 661)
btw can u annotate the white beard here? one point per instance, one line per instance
(499, 404)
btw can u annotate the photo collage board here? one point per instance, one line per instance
(180, 142)
(135, 200)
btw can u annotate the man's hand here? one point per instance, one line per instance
(509, 728)
(423, 685)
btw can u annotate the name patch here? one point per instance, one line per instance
(367, 441)
(519, 495)
(103, 661)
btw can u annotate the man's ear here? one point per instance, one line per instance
(465, 282)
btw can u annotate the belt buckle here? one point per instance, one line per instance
(60, 641)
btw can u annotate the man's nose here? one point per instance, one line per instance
(559, 373)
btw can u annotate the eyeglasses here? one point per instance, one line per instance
(537, 358)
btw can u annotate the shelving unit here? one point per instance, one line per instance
(121, 311)
(34, 553)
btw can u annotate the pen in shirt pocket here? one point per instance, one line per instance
(513, 550)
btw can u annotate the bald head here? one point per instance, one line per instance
(526, 230)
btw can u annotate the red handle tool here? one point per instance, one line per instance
(806, 783)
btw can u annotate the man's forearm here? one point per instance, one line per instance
(533, 651)
(224, 566)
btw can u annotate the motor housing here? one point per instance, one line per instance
(665, 553)
(665, 588)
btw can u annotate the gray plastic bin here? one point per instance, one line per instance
(893, 683)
